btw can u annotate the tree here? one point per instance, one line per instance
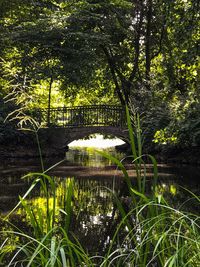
(146, 50)
(121, 34)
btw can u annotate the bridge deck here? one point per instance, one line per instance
(82, 116)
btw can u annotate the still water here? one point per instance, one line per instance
(94, 180)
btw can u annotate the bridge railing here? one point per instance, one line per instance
(95, 115)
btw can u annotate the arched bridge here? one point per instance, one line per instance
(63, 125)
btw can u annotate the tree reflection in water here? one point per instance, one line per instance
(94, 215)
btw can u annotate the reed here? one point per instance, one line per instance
(156, 233)
(49, 244)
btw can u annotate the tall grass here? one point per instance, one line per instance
(49, 244)
(149, 233)
(156, 233)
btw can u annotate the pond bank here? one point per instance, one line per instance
(12, 152)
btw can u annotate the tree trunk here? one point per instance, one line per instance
(148, 43)
(113, 70)
(49, 101)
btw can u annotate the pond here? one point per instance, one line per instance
(94, 179)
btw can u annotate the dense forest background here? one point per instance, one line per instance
(141, 53)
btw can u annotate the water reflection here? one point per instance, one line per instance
(94, 180)
(90, 157)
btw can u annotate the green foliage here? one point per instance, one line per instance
(104, 51)
(75, 39)
(163, 236)
(189, 131)
(183, 128)
(164, 138)
(8, 130)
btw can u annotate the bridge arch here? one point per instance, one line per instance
(80, 133)
(59, 138)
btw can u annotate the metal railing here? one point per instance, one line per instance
(80, 116)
